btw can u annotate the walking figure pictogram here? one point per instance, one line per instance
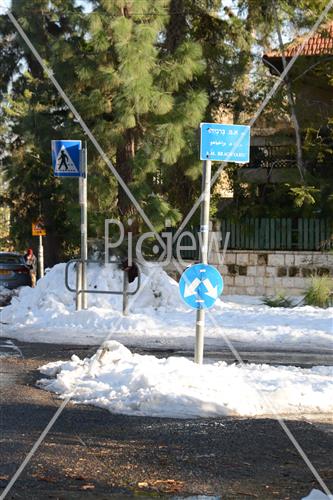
(63, 160)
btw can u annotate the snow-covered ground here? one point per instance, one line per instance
(134, 384)
(158, 317)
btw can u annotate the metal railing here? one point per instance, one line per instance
(268, 233)
(265, 156)
(79, 291)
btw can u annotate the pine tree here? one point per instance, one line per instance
(33, 114)
(144, 73)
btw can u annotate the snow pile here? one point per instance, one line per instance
(317, 495)
(51, 290)
(50, 306)
(158, 317)
(6, 295)
(133, 384)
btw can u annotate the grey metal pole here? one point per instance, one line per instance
(84, 220)
(78, 297)
(125, 296)
(204, 230)
(40, 260)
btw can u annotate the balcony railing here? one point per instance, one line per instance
(272, 156)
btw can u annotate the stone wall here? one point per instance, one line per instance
(266, 272)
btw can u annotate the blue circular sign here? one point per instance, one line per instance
(200, 285)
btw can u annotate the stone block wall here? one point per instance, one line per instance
(266, 272)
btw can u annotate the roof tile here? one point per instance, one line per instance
(321, 43)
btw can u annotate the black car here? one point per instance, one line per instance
(13, 271)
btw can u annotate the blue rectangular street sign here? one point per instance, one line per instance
(221, 142)
(66, 158)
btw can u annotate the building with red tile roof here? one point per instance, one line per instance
(319, 44)
(311, 76)
(311, 79)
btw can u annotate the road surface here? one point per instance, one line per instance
(91, 453)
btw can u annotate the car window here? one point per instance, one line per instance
(10, 259)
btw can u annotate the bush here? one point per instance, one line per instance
(320, 292)
(280, 300)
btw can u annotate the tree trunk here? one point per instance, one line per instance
(177, 25)
(52, 249)
(299, 154)
(124, 157)
(245, 62)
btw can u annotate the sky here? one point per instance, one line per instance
(5, 4)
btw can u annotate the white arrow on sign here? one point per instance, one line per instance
(190, 289)
(211, 290)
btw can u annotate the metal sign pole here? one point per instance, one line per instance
(204, 230)
(79, 266)
(125, 293)
(40, 259)
(78, 297)
(69, 159)
(84, 235)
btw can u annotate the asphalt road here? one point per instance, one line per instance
(303, 359)
(90, 453)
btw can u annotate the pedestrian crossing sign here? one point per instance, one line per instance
(66, 158)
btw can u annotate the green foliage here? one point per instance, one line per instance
(32, 114)
(304, 195)
(143, 75)
(140, 96)
(279, 300)
(290, 199)
(318, 149)
(320, 292)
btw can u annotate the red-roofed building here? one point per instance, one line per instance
(319, 44)
(268, 190)
(273, 151)
(311, 76)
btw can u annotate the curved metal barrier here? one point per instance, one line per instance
(79, 291)
(72, 261)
